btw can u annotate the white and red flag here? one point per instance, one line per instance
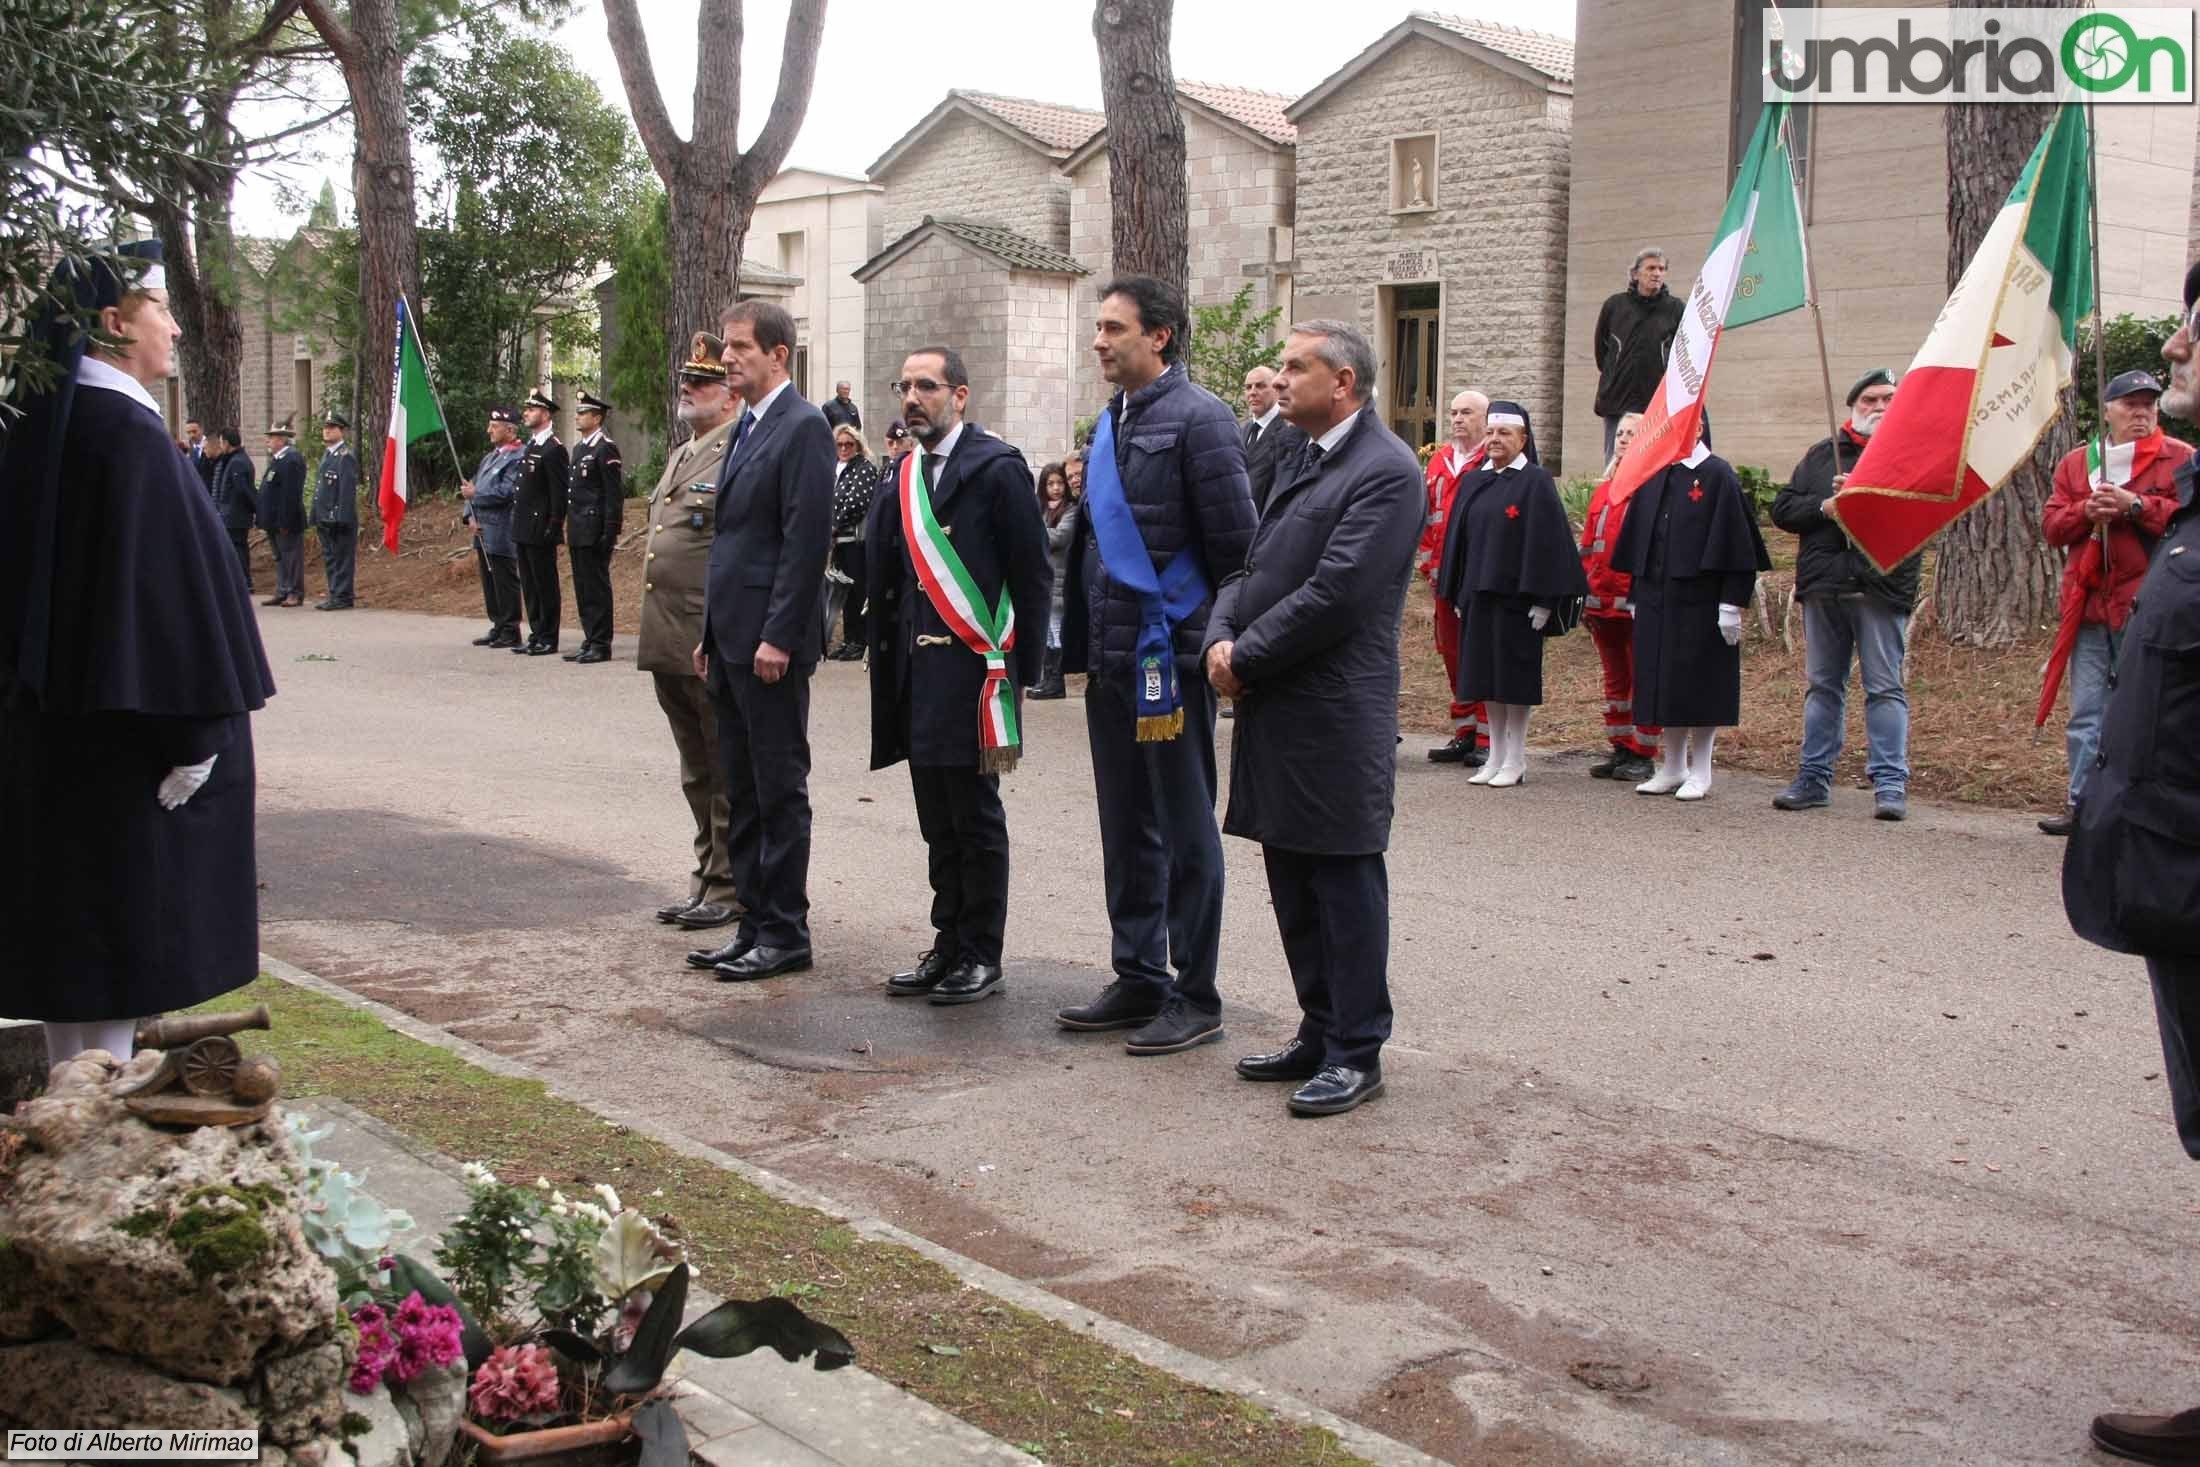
(414, 413)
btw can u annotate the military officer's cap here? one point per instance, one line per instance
(588, 402)
(703, 363)
(281, 430)
(542, 400)
(502, 414)
(336, 420)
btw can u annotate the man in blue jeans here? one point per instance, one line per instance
(1850, 613)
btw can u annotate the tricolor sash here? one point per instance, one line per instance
(955, 596)
(1163, 600)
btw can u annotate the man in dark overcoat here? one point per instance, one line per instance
(538, 523)
(283, 515)
(596, 504)
(1305, 639)
(234, 499)
(930, 683)
(763, 632)
(336, 512)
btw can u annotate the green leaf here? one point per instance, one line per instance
(643, 1365)
(630, 1255)
(664, 1436)
(739, 1326)
(573, 1347)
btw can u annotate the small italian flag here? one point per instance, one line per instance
(1755, 271)
(1990, 377)
(414, 413)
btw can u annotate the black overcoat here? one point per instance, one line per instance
(924, 695)
(110, 906)
(1691, 542)
(234, 500)
(596, 500)
(1508, 548)
(282, 493)
(1314, 618)
(2131, 875)
(538, 505)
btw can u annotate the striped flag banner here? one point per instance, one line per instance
(989, 632)
(414, 413)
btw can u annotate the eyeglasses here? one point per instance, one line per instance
(924, 385)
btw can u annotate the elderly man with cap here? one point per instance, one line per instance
(538, 522)
(282, 514)
(2131, 875)
(683, 512)
(2107, 518)
(489, 495)
(595, 501)
(336, 511)
(1850, 612)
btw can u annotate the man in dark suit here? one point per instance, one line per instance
(283, 515)
(596, 503)
(763, 632)
(336, 512)
(1270, 439)
(943, 685)
(234, 499)
(196, 450)
(841, 410)
(538, 523)
(1306, 640)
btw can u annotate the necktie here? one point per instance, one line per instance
(1252, 434)
(932, 472)
(740, 431)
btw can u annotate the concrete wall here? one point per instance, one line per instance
(1878, 221)
(1498, 228)
(839, 221)
(967, 169)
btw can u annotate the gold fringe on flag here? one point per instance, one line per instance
(998, 761)
(1160, 730)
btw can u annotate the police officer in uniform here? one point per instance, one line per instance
(538, 523)
(336, 511)
(283, 515)
(683, 509)
(596, 499)
(489, 495)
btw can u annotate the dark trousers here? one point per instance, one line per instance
(1333, 913)
(764, 749)
(290, 563)
(499, 589)
(966, 848)
(339, 553)
(592, 592)
(240, 541)
(1161, 856)
(849, 558)
(538, 587)
(2177, 1014)
(686, 701)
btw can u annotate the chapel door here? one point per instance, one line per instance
(1415, 364)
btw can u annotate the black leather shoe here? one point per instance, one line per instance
(542, 649)
(324, 604)
(1605, 768)
(274, 601)
(1334, 1090)
(592, 654)
(1176, 1028)
(712, 957)
(705, 915)
(495, 642)
(524, 649)
(923, 978)
(2061, 824)
(2163, 1439)
(763, 962)
(1456, 751)
(1119, 1006)
(575, 654)
(1295, 1061)
(967, 982)
(666, 914)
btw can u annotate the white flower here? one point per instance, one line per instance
(559, 1209)
(610, 1198)
(657, 1192)
(476, 1173)
(542, 1184)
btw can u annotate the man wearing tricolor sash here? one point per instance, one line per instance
(959, 589)
(1168, 517)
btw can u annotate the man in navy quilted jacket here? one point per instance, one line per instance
(1168, 517)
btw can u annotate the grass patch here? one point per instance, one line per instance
(1029, 1380)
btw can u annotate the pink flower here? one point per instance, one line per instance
(427, 1336)
(515, 1382)
(378, 1348)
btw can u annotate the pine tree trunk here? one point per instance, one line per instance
(1145, 139)
(202, 294)
(1996, 580)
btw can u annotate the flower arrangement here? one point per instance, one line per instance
(398, 1345)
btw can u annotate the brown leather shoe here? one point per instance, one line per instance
(2164, 1439)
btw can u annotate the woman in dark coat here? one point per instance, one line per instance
(855, 485)
(1059, 509)
(130, 665)
(1692, 545)
(1510, 565)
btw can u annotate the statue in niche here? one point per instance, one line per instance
(1416, 185)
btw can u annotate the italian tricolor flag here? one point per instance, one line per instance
(1990, 377)
(1755, 271)
(414, 413)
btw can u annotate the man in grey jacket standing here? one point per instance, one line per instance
(488, 496)
(1168, 514)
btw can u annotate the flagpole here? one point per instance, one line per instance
(1810, 294)
(414, 317)
(2100, 320)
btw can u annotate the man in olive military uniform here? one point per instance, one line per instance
(283, 515)
(538, 524)
(596, 500)
(683, 509)
(336, 511)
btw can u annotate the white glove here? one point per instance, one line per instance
(1730, 624)
(1539, 616)
(184, 781)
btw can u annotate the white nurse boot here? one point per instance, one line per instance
(1515, 769)
(1672, 773)
(1496, 761)
(1698, 783)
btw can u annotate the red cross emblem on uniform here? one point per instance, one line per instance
(1695, 491)
(1512, 511)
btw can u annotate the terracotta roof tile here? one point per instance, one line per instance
(1260, 111)
(1549, 54)
(1020, 251)
(1063, 129)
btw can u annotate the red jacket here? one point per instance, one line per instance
(2130, 541)
(1445, 470)
(1608, 588)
